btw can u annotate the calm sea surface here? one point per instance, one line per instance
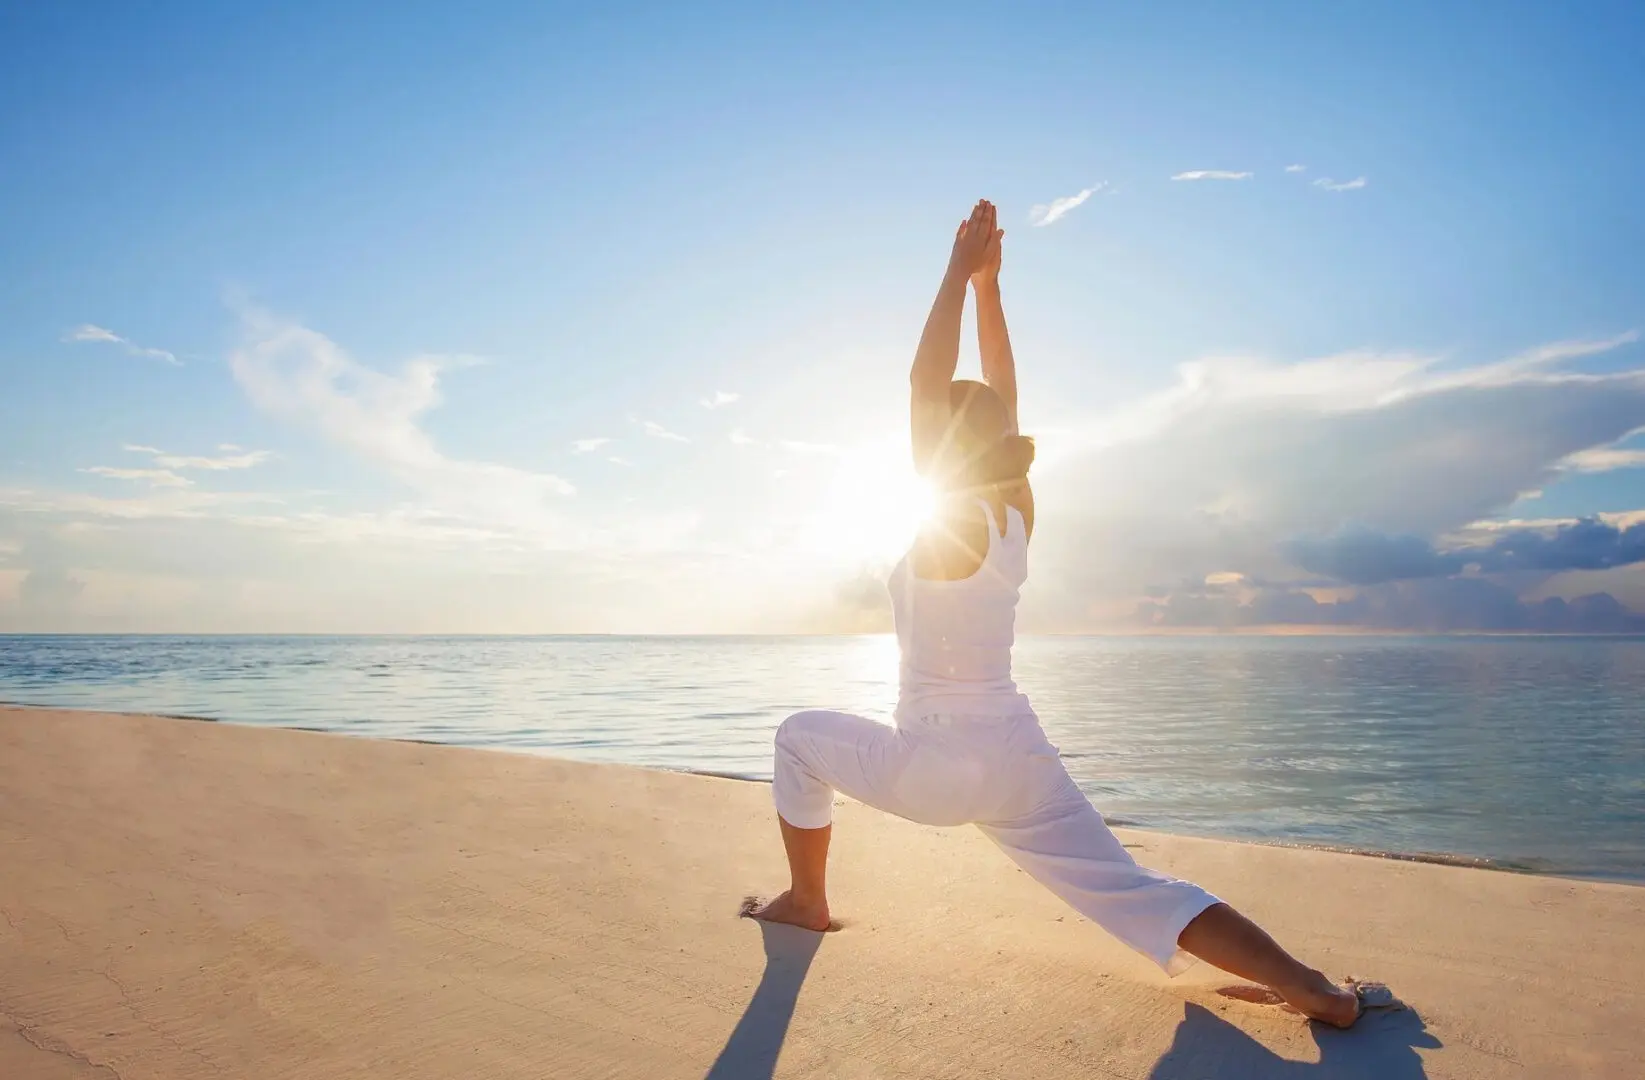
(1526, 751)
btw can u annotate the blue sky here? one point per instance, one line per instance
(403, 263)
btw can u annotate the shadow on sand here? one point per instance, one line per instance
(751, 1051)
(1382, 1046)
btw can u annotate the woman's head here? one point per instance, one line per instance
(980, 449)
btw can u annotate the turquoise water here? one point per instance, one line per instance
(1529, 752)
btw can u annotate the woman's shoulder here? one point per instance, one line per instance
(953, 542)
(1021, 499)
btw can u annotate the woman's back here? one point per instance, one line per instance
(955, 635)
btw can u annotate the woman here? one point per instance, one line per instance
(967, 748)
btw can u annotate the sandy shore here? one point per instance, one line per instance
(184, 899)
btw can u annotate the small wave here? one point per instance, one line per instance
(1435, 858)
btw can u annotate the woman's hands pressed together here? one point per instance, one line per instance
(976, 244)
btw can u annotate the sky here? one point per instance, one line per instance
(530, 318)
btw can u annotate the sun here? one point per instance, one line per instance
(874, 505)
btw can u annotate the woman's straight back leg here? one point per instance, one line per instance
(1065, 845)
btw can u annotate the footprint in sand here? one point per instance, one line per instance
(1256, 995)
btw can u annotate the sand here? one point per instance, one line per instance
(184, 899)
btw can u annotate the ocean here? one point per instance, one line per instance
(1518, 752)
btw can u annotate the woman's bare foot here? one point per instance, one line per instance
(1321, 999)
(1335, 1005)
(785, 909)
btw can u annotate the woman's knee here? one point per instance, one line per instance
(798, 726)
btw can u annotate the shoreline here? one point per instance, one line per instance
(1431, 858)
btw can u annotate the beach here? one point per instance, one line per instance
(187, 899)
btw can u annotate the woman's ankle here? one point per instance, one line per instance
(1307, 982)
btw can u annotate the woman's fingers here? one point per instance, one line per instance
(980, 231)
(980, 226)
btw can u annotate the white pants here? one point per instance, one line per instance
(1004, 776)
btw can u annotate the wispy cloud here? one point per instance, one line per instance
(1296, 168)
(615, 460)
(657, 431)
(1346, 185)
(1048, 213)
(89, 333)
(169, 467)
(156, 477)
(1604, 459)
(300, 374)
(742, 438)
(241, 459)
(588, 446)
(1212, 174)
(720, 398)
(1557, 351)
(798, 447)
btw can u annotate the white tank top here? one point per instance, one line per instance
(956, 636)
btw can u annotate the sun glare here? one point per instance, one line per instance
(875, 505)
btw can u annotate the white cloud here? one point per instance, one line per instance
(657, 431)
(1556, 351)
(1049, 213)
(1296, 168)
(290, 371)
(89, 333)
(1241, 456)
(174, 502)
(1347, 185)
(742, 438)
(183, 560)
(720, 398)
(1604, 459)
(167, 474)
(156, 477)
(1213, 174)
(241, 459)
(1206, 480)
(619, 461)
(588, 446)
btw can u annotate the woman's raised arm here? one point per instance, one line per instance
(999, 368)
(939, 351)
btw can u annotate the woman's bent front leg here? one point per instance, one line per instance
(817, 753)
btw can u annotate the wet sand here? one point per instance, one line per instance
(184, 899)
